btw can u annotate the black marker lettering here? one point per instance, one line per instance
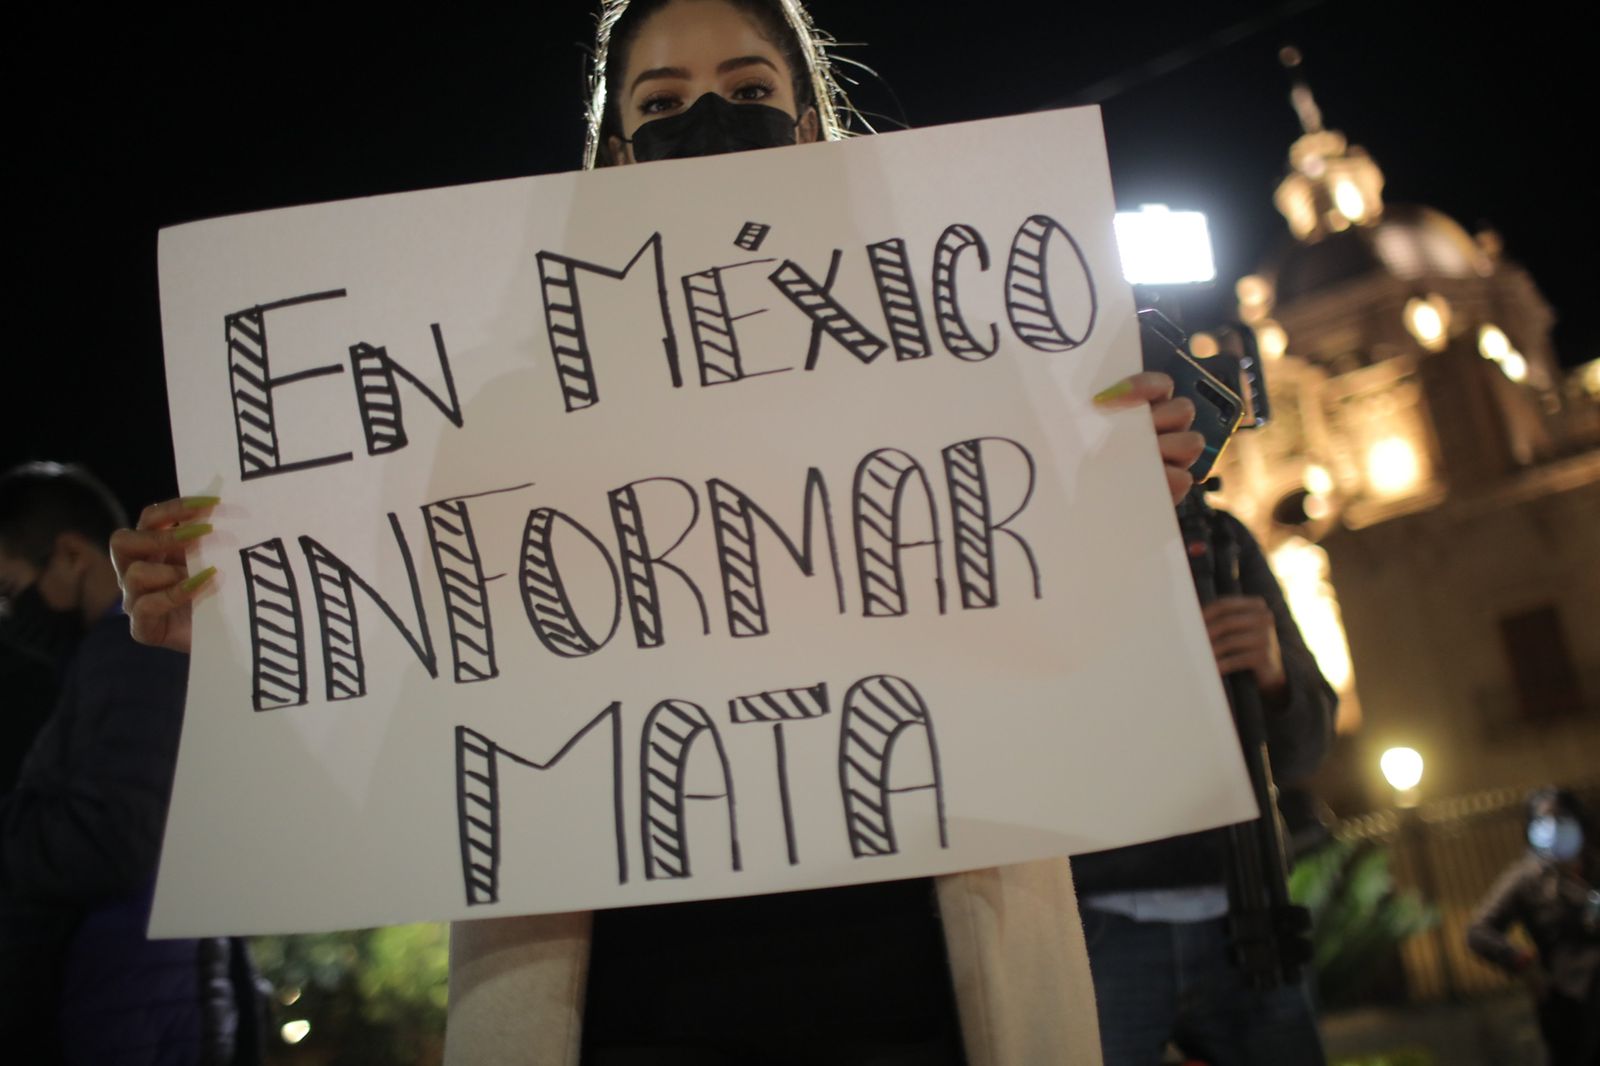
(378, 394)
(563, 317)
(891, 273)
(277, 637)
(827, 315)
(1029, 303)
(880, 487)
(462, 582)
(778, 707)
(877, 712)
(751, 236)
(639, 566)
(544, 594)
(953, 328)
(665, 746)
(733, 518)
(333, 585)
(712, 326)
(250, 377)
(478, 802)
(972, 521)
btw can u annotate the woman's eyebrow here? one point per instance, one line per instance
(683, 74)
(659, 72)
(744, 61)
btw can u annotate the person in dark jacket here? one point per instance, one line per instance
(1553, 892)
(1156, 915)
(27, 694)
(80, 833)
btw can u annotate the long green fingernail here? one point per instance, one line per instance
(195, 503)
(199, 579)
(1115, 392)
(191, 531)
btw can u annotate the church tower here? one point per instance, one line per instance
(1429, 488)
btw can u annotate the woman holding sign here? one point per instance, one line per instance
(981, 967)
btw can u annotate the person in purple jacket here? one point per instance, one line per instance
(80, 833)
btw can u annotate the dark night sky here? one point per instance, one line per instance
(120, 125)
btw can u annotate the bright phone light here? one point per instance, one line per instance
(1163, 247)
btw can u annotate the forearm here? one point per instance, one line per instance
(1486, 936)
(1494, 946)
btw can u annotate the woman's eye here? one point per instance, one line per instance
(658, 105)
(750, 91)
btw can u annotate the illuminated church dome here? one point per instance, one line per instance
(1408, 242)
(1360, 282)
(1332, 199)
(1407, 359)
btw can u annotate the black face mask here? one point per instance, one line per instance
(712, 126)
(38, 628)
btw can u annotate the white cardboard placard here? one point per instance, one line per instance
(703, 528)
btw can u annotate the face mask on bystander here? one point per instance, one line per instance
(1558, 838)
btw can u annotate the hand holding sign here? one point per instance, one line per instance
(152, 564)
(1173, 416)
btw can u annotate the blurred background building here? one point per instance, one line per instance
(1428, 491)
(1429, 487)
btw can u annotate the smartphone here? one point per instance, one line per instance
(1218, 408)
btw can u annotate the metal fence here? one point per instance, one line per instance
(1450, 852)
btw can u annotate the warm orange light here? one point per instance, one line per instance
(1589, 377)
(1393, 467)
(1271, 339)
(1493, 343)
(1302, 568)
(1428, 319)
(1253, 290)
(1203, 345)
(1349, 201)
(1515, 366)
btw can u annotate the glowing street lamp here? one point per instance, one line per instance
(1402, 768)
